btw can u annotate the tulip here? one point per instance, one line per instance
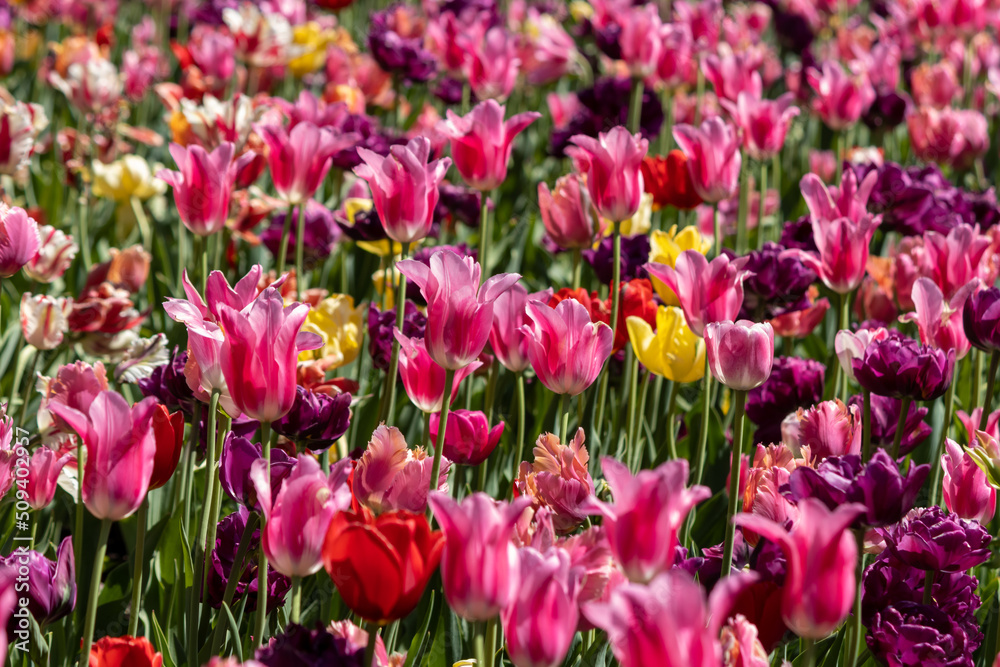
(127, 177)
(481, 142)
(20, 125)
(168, 431)
(673, 351)
(479, 566)
(297, 516)
(337, 321)
(966, 490)
(794, 383)
(381, 565)
(44, 320)
(940, 323)
(612, 165)
(930, 539)
(903, 368)
(423, 379)
(851, 345)
(469, 440)
(640, 39)
(733, 73)
(821, 557)
(540, 618)
(665, 623)
(121, 449)
(713, 158)
(558, 480)
(740, 644)
(841, 98)
(951, 137)
(19, 240)
(49, 587)
(131, 651)
(566, 349)
(44, 467)
(404, 187)
(708, 291)
(956, 259)
(204, 184)
(981, 319)
(508, 342)
(648, 512)
(300, 158)
(316, 420)
(459, 311)
(258, 356)
(666, 247)
(830, 429)
(764, 123)
(567, 212)
(236, 463)
(390, 477)
(669, 181)
(56, 251)
(492, 65)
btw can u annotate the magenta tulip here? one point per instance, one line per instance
(708, 291)
(821, 557)
(422, 377)
(640, 39)
(566, 349)
(459, 310)
(300, 158)
(649, 510)
(204, 184)
(740, 353)
(481, 142)
(469, 440)
(713, 158)
(732, 74)
(956, 258)
(298, 517)
(508, 342)
(841, 97)
(492, 64)
(966, 491)
(44, 467)
(18, 239)
(764, 123)
(567, 212)
(480, 567)
(120, 452)
(940, 323)
(404, 187)
(260, 353)
(612, 164)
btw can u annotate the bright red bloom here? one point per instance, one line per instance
(124, 652)
(669, 181)
(381, 565)
(168, 430)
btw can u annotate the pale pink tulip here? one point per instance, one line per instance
(740, 354)
(850, 345)
(713, 158)
(55, 253)
(300, 158)
(508, 342)
(965, 489)
(612, 164)
(566, 349)
(955, 259)
(708, 291)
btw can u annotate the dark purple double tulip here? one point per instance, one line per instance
(885, 417)
(229, 536)
(380, 325)
(316, 420)
(929, 539)
(981, 319)
(238, 455)
(901, 367)
(794, 383)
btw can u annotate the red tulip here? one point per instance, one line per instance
(168, 430)
(669, 181)
(124, 652)
(381, 565)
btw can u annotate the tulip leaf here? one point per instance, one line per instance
(420, 638)
(116, 585)
(173, 548)
(234, 631)
(162, 643)
(436, 656)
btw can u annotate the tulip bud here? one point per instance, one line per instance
(965, 489)
(740, 354)
(469, 440)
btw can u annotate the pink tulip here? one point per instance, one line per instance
(481, 142)
(567, 212)
(298, 517)
(508, 342)
(841, 97)
(469, 440)
(741, 646)
(649, 510)
(540, 618)
(424, 379)
(708, 291)
(939, 323)
(830, 428)
(75, 385)
(955, 259)
(640, 40)
(204, 184)
(18, 239)
(492, 65)
(850, 345)
(120, 451)
(459, 310)
(842, 229)
(300, 158)
(821, 557)
(404, 187)
(479, 568)
(260, 352)
(566, 349)
(965, 489)
(548, 52)
(713, 158)
(390, 477)
(951, 137)
(44, 467)
(44, 320)
(764, 123)
(971, 423)
(739, 354)
(733, 73)
(935, 85)
(666, 623)
(612, 164)
(558, 480)
(55, 253)
(677, 64)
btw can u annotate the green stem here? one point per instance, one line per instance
(519, 445)
(372, 642)
(699, 94)
(761, 205)
(187, 477)
(194, 599)
(866, 425)
(30, 388)
(479, 644)
(743, 208)
(929, 587)
(855, 631)
(809, 651)
(239, 564)
(261, 620)
(990, 380)
(739, 398)
(633, 391)
(671, 432)
(577, 268)
(491, 641)
(949, 405)
(635, 105)
(666, 133)
(296, 599)
(283, 247)
(213, 520)
(95, 586)
(300, 233)
(140, 545)
(706, 392)
(976, 362)
(616, 280)
(449, 378)
(717, 229)
(484, 234)
(557, 422)
(201, 259)
(838, 139)
(389, 397)
(904, 407)
(78, 526)
(845, 324)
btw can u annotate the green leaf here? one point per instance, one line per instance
(174, 548)
(116, 585)
(420, 638)
(163, 644)
(436, 656)
(234, 631)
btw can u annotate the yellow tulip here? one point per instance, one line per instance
(673, 351)
(666, 247)
(312, 40)
(338, 322)
(128, 176)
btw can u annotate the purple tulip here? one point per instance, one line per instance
(885, 416)
(403, 56)
(168, 384)
(903, 368)
(50, 586)
(794, 383)
(469, 440)
(302, 647)
(776, 282)
(229, 535)
(635, 254)
(912, 633)
(380, 325)
(316, 420)
(320, 237)
(929, 539)
(981, 317)
(238, 456)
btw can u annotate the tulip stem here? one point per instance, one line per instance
(372, 643)
(30, 388)
(449, 378)
(671, 433)
(187, 475)
(761, 210)
(296, 599)
(265, 443)
(929, 587)
(717, 229)
(239, 564)
(558, 426)
(479, 644)
(949, 405)
(491, 641)
(214, 508)
(904, 408)
(300, 233)
(743, 208)
(577, 268)
(140, 545)
(194, 601)
(809, 651)
(283, 247)
(616, 281)
(78, 526)
(866, 425)
(201, 257)
(484, 234)
(706, 392)
(635, 105)
(838, 141)
(389, 399)
(666, 132)
(990, 380)
(633, 391)
(739, 398)
(95, 586)
(854, 624)
(519, 445)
